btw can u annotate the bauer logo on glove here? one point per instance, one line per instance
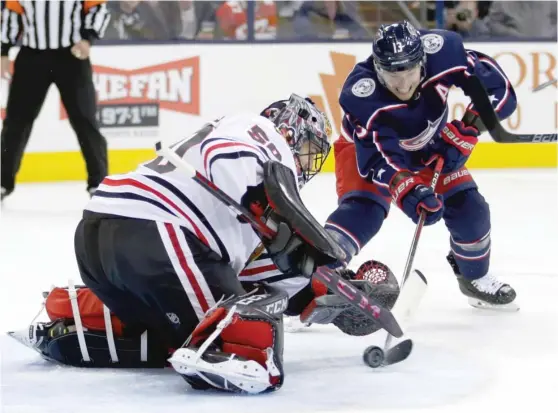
(465, 146)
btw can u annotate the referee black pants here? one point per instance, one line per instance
(34, 72)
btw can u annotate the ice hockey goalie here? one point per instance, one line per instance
(168, 269)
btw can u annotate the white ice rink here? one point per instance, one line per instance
(465, 360)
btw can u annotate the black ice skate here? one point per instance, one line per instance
(486, 292)
(38, 336)
(91, 191)
(4, 193)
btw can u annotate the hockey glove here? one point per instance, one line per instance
(290, 253)
(456, 145)
(373, 278)
(287, 250)
(412, 195)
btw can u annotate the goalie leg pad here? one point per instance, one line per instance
(141, 351)
(238, 347)
(83, 333)
(91, 309)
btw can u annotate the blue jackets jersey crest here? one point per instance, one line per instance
(391, 134)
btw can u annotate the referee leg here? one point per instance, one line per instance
(74, 79)
(30, 83)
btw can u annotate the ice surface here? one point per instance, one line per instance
(464, 359)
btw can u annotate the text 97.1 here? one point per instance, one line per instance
(128, 115)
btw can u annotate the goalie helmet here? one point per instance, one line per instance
(307, 131)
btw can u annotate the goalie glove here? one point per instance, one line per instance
(290, 253)
(301, 244)
(373, 278)
(287, 250)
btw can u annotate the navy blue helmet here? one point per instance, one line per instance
(398, 47)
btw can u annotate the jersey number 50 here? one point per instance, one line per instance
(259, 135)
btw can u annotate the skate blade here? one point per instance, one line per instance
(483, 305)
(22, 337)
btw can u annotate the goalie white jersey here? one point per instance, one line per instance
(231, 153)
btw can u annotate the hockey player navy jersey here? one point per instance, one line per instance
(390, 134)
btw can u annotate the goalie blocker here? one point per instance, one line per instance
(301, 242)
(129, 267)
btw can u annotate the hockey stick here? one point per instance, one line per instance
(545, 85)
(414, 244)
(482, 103)
(408, 301)
(368, 306)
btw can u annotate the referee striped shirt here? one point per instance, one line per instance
(52, 24)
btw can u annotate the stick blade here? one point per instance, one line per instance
(398, 353)
(410, 297)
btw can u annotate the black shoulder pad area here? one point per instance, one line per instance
(281, 190)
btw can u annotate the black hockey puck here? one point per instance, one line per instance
(373, 356)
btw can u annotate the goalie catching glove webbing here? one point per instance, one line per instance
(373, 278)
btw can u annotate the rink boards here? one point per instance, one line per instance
(166, 92)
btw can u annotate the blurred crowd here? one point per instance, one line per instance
(485, 19)
(227, 20)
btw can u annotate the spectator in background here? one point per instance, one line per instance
(483, 7)
(232, 20)
(197, 19)
(465, 17)
(163, 20)
(330, 20)
(449, 6)
(142, 20)
(522, 19)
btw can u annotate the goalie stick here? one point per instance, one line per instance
(482, 104)
(369, 307)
